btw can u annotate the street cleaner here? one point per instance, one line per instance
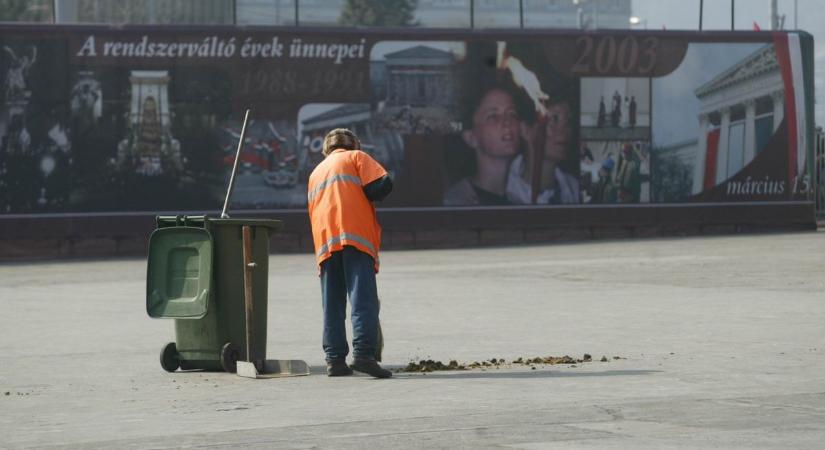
(341, 192)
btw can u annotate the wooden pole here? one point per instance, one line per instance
(248, 266)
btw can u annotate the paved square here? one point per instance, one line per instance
(724, 340)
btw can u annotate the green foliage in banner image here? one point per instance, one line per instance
(672, 179)
(25, 11)
(385, 13)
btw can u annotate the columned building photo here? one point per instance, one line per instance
(740, 110)
(419, 76)
(417, 87)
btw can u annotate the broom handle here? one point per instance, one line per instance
(248, 265)
(224, 215)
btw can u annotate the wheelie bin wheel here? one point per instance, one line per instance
(229, 357)
(169, 357)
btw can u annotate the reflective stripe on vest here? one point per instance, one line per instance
(346, 236)
(333, 179)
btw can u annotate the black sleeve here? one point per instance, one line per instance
(379, 189)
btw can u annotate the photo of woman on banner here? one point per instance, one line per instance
(506, 120)
(544, 156)
(546, 171)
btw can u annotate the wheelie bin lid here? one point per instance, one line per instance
(268, 223)
(179, 273)
(206, 221)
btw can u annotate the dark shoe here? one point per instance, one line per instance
(370, 367)
(338, 368)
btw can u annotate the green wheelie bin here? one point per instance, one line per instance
(195, 275)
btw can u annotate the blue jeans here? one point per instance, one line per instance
(349, 272)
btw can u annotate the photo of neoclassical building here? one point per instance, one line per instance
(415, 87)
(739, 111)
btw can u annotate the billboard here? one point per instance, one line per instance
(96, 119)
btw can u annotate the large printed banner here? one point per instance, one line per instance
(147, 119)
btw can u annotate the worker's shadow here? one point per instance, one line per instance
(519, 374)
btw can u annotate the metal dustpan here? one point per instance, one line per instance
(273, 368)
(266, 368)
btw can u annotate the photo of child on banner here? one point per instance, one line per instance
(516, 131)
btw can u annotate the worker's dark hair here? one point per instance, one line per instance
(340, 138)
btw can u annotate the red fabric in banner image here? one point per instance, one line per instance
(780, 43)
(247, 157)
(710, 159)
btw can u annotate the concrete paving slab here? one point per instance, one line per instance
(724, 340)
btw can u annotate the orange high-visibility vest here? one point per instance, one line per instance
(339, 210)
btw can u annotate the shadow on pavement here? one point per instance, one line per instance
(525, 375)
(538, 373)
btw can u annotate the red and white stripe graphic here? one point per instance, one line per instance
(789, 57)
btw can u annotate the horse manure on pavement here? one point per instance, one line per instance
(429, 365)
